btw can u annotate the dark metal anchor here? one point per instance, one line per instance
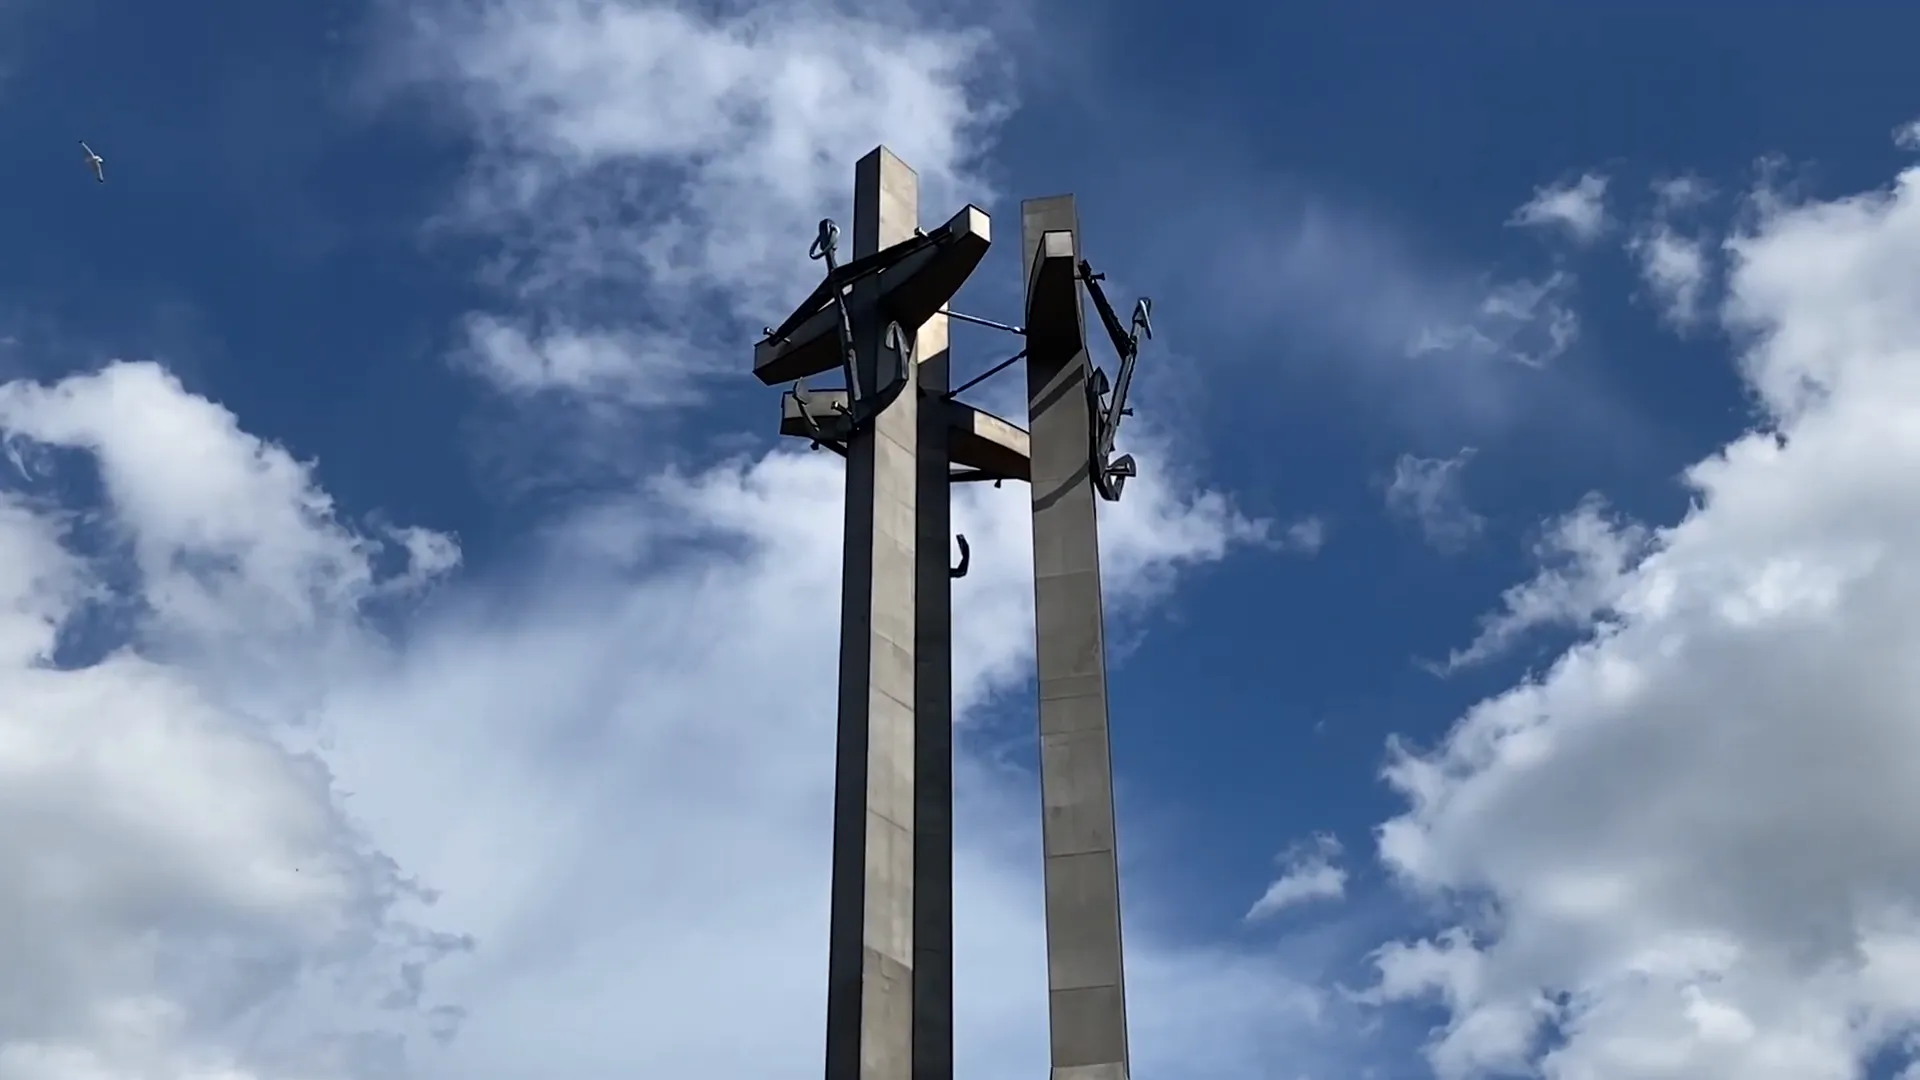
(864, 400)
(1109, 403)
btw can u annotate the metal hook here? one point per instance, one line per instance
(903, 345)
(827, 244)
(799, 395)
(866, 397)
(966, 557)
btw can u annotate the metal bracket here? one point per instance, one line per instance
(1109, 403)
(864, 401)
(987, 374)
(966, 557)
(816, 435)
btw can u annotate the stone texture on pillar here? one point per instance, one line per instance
(933, 722)
(1085, 971)
(871, 933)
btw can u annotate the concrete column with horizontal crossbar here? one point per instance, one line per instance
(869, 318)
(1085, 970)
(870, 937)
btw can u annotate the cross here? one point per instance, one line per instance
(879, 317)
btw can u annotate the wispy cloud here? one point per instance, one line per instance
(1427, 492)
(1311, 873)
(1306, 536)
(1583, 560)
(1527, 322)
(648, 173)
(1675, 269)
(1576, 209)
(1676, 263)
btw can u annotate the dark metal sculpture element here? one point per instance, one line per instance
(1109, 402)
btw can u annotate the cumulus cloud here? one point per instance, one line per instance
(1687, 848)
(1311, 873)
(1577, 208)
(641, 148)
(1427, 492)
(182, 894)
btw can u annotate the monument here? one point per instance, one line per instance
(881, 319)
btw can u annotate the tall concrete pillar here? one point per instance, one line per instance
(933, 722)
(1085, 972)
(870, 949)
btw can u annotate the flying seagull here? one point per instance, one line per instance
(99, 163)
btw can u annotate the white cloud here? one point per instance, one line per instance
(1907, 135)
(639, 149)
(1577, 208)
(1676, 270)
(1677, 193)
(181, 895)
(1527, 322)
(1688, 848)
(1311, 874)
(1305, 536)
(647, 370)
(1583, 559)
(1427, 492)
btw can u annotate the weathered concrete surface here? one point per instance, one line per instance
(983, 441)
(933, 723)
(1085, 972)
(871, 933)
(977, 439)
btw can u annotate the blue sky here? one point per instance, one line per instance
(415, 647)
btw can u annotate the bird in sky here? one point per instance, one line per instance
(99, 163)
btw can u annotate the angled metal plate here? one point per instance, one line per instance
(812, 348)
(911, 298)
(910, 291)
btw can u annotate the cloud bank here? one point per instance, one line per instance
(1686, 849)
